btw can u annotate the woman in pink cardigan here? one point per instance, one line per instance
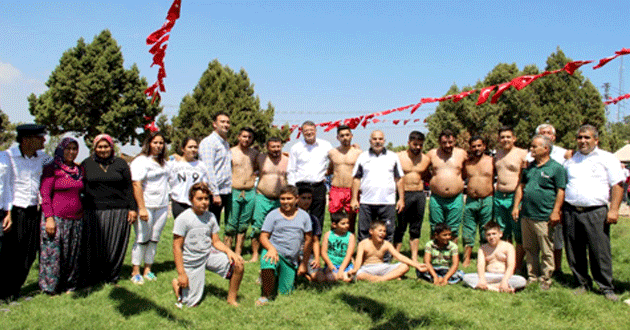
(62, 224)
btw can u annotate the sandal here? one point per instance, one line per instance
(262, 301)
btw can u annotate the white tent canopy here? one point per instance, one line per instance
(623, 154)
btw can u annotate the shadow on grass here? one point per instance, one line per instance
(303, 283)
(212, 290)
(130, 304)
(381, 319)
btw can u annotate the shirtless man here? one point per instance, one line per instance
(342, 160)
(447, 202)
(414, 165)
(495, 264)
(508, 164)
(272, 177)
(243, 193)
(479, 171)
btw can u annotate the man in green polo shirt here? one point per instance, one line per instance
(541, 192)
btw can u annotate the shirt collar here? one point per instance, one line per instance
(315, 144)
(372, 152)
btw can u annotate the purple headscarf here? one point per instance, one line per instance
(73, 170)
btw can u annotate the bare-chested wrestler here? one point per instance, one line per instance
(479, 171)
(342, 160)
(446, 204)
(414, 164)
(243, 193)
(495, 264)
(508, 164)
(272, 177)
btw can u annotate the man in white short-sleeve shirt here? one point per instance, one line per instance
(592, 173)
(377, 175)
(308, 163)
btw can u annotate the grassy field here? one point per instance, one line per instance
(406, 304)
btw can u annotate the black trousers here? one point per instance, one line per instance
(412, 215)
(177, 208)
(385, 213)
(226, 203)
(318, 206)
(585, 230)
(19, 250)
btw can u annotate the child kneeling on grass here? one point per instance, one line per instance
(337, 249)
(495, 264)
(197, 247)
(285, 229)
(441, 256)
(370, 265)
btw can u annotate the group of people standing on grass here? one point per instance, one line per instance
(82, 222)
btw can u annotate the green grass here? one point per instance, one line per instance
(406, 304)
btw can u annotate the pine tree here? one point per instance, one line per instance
(7, 131)
(90, 92)
(220, 89)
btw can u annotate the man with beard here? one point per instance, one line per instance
(479, 171)
(446, 204)
(272, 178)
(414, 165)
(342, 160)
(243, 194)
(508, 163)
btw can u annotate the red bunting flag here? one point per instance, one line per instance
(522, 81)
(155, 36)
(572, 66)
(623, 51)
(416, 120)
(375, 120)
(415, 107)
(605, 60)
(502, 88)
(428, 100)
(462, 95)
(484, 93)
(173, 12)
(151, 127)
(406, 121)
(396, 121)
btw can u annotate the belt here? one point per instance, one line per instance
(312, 184)
(582, 209)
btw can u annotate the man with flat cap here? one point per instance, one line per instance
(20, 244)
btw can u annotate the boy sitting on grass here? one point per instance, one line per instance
(285, 229)
(337, 249)
(197, 247)
(305, 199)
(495, 264)
(441, 257)
(370, 265)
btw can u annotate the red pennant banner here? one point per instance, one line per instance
(617, 99)
(572, 66)
(415, 107)
(522, 81)
(484, 93)
(396, 121)
(406, 121)
(502, 88)
(462, 95)
(605, 60)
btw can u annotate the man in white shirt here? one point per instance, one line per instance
(594, 178)
(308, 163)
(20, 246)
(377, 174)
(214, 151)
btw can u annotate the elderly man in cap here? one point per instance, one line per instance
(20, 244)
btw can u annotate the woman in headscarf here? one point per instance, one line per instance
(61, 225)
(150, 186)
(110, 208)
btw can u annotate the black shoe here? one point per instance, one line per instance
(609, 295)
(580, 290)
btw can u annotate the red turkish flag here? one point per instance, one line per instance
(406, 121)
(158, 57)
(572, 66)
(173, 12)
(161, 84)
(484, 93)
(151, 127)
(502, 88)
(151, 90)
(415, 107)
(428, 100)
(396, 121)
(161, 73)
(364, 123)
(623, 51)
(416, 120)
(522, 81)
(155, 36)
(462, 95)
(333, 125)
(375, 120)
(603, 61)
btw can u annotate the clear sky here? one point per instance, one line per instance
(318, 60)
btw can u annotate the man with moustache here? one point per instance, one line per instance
(342, 160)
(446, 204)
(479, 171)
(414, 165)
(272, 178)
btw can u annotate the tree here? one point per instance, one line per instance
(222, 89)
(90, 92)
(563, 100)
(7, 131)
